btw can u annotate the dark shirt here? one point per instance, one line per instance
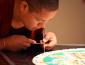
(35, 48)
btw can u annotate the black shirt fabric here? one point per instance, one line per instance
(35, 48)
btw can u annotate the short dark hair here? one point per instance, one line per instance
(36, 5)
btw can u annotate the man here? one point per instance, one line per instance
(30, 15)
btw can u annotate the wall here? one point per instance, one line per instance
(69, 23)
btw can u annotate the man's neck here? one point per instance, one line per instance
(17, 24)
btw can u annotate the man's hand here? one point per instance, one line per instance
(49, 40)
(17, 42)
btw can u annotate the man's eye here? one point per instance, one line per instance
(39, 19)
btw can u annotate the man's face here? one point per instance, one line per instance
(34, 20)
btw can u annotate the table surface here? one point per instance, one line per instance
(25, 58)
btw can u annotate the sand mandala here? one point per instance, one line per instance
(61, 57)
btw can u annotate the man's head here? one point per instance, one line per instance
(34, 14)
(37, 5)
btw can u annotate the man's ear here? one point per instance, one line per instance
(24, 7)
